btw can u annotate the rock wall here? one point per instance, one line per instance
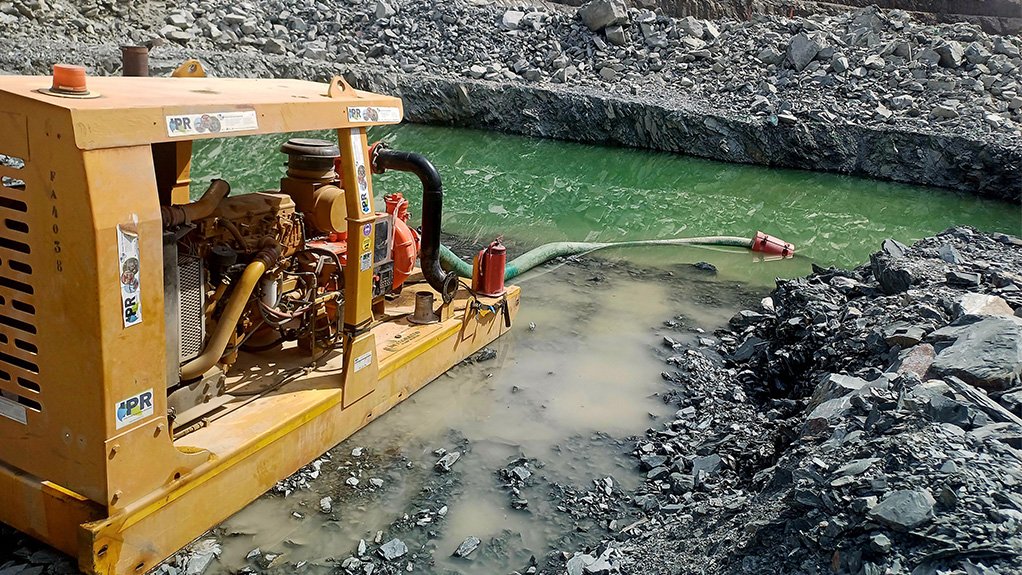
(588, 116)
(994, 16)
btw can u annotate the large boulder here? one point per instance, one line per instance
(987, 353)
(951, 54)
(691, 26)
(904, 510)
(977, 305)
(599, 14)
(803, 48)
(891, 273)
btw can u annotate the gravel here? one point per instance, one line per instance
(873, 69)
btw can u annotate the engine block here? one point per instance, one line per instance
(243, 221)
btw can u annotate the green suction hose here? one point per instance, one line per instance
(547, 252)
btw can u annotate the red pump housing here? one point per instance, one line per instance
(406, 241)
(488, 270)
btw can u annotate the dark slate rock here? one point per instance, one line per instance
(943, 409)
(905, 509)
(445, 463)
(708, 465)
(950, 254)
(657, 473)
(893, 277)
(393, 549)
(826, 413)
(705, 267)
(986, 354)
(903, 335)
(749, 348)
(894, 248)
(745, 318)
(966, 279)
(681, 483)
(467, 546)
(648, 462)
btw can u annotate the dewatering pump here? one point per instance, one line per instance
(163, 360)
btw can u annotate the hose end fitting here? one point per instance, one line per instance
(375, 166)
(449, 287)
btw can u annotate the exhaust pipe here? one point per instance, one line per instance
(135, 61)
(383, 159)
(201, 208)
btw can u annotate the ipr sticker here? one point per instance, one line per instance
(134, 408)
(363, 361)
(129, 268)
(365, 261)
(361, 175)
(372, 114)
(211, 123)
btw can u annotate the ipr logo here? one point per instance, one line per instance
(135, 408)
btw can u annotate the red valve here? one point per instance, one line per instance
(772, 246)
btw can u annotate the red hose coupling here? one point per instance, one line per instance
(772, 246)
(374, 149)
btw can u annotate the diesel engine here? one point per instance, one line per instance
(253, 271)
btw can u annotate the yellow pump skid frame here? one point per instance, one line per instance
(121, 497)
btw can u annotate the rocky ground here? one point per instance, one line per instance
(860, 421)
(880, 71)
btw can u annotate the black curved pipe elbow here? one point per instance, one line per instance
(432, 209)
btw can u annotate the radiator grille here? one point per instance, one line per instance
(19, 366)
(192, 303)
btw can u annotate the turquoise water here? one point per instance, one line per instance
(534, 191)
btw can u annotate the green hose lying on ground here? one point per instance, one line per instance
(547, 252)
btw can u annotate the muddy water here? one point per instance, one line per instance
(563, 395)
(566, 395)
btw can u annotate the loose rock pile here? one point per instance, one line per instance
(836, 431)
(869, 67)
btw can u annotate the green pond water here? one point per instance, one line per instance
(533, 191)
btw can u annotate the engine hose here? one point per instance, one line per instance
(236, 304)
(547, 252)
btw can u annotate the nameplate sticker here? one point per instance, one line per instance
(129, 268)
(211, 123)
(134, 408)
(363, 361)
(13, 410)
(361, 175)
(370, 114)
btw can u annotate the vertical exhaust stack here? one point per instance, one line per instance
(135, 61)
